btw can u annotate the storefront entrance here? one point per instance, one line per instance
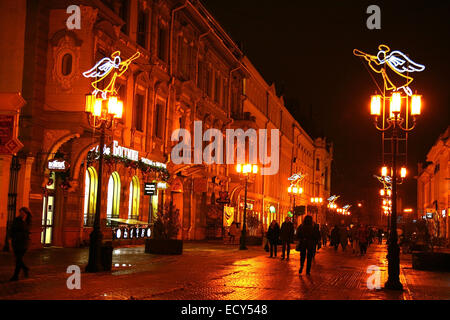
(48, 209)
(47, 220)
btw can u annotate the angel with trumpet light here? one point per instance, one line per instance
(397, 65)
(104, 68)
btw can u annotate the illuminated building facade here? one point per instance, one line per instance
(188, 70)
(433, 187)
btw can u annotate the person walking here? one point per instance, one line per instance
(286, 237)
(363, 239)
(318, 243)
(354, 238)
(334, 237)
(308, 236)
(343, 237)
(380, 236)
(273, 236)
(20, 238)
(324, 234)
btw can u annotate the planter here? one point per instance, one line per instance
(431, 261)
(165, 247)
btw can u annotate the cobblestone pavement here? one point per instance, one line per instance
(213, 271)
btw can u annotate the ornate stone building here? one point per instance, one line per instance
(433, 187)
(189, 70)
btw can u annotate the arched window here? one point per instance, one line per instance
(113, 204)
(66, 64)
(133, 203)
(90, 196)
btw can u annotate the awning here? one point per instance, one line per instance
(130, 222)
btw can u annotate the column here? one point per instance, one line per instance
(5, 164)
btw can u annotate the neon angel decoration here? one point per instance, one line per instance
(386, 181)
(104, 68)
(398, 64)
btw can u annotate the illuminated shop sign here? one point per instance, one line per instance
(128, 233)
(57, 165)
(129, 154)
(150, 189)
(249, 206)
(272, 209)
(429, 215)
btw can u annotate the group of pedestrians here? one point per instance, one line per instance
(359, 236)
(307, 234)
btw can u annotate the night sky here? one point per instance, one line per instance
(305, 47)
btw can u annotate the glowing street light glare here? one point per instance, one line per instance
(382, 192)
(290, 190)
(255, 169)
(375, 106)
(396, 103)
(384, 171)
(239, 168)
(416, 105)
(403, 172)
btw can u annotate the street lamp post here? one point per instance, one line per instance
(294, 190)
(101, 115)
(394, 120)
(246, 170)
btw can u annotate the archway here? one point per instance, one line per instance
(134, 197)
(90, 196)
(113, 200)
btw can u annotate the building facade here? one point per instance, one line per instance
(189, 75)
(433, 188)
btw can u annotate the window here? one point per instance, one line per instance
(217, 88)
(326, 178)
(133, 203)
(158, 120)
(200, 79)
(184, 56)
(141, 32)
(317, 165)
(66, 64)
(138, 113)
(209, 82)
(90, 196)
(162, 43)
(123, 13)
(113, 200)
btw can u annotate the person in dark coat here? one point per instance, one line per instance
(380, 236)
(273, 235)
(308, 236)
(335, 238)
(286, 237)
(363, 239)
(343, 234)
(324, 234)
(318, 243)
(20, 238)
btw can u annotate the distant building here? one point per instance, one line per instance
(433, 187)
(189, 70)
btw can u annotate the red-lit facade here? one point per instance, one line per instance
(189, 70)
